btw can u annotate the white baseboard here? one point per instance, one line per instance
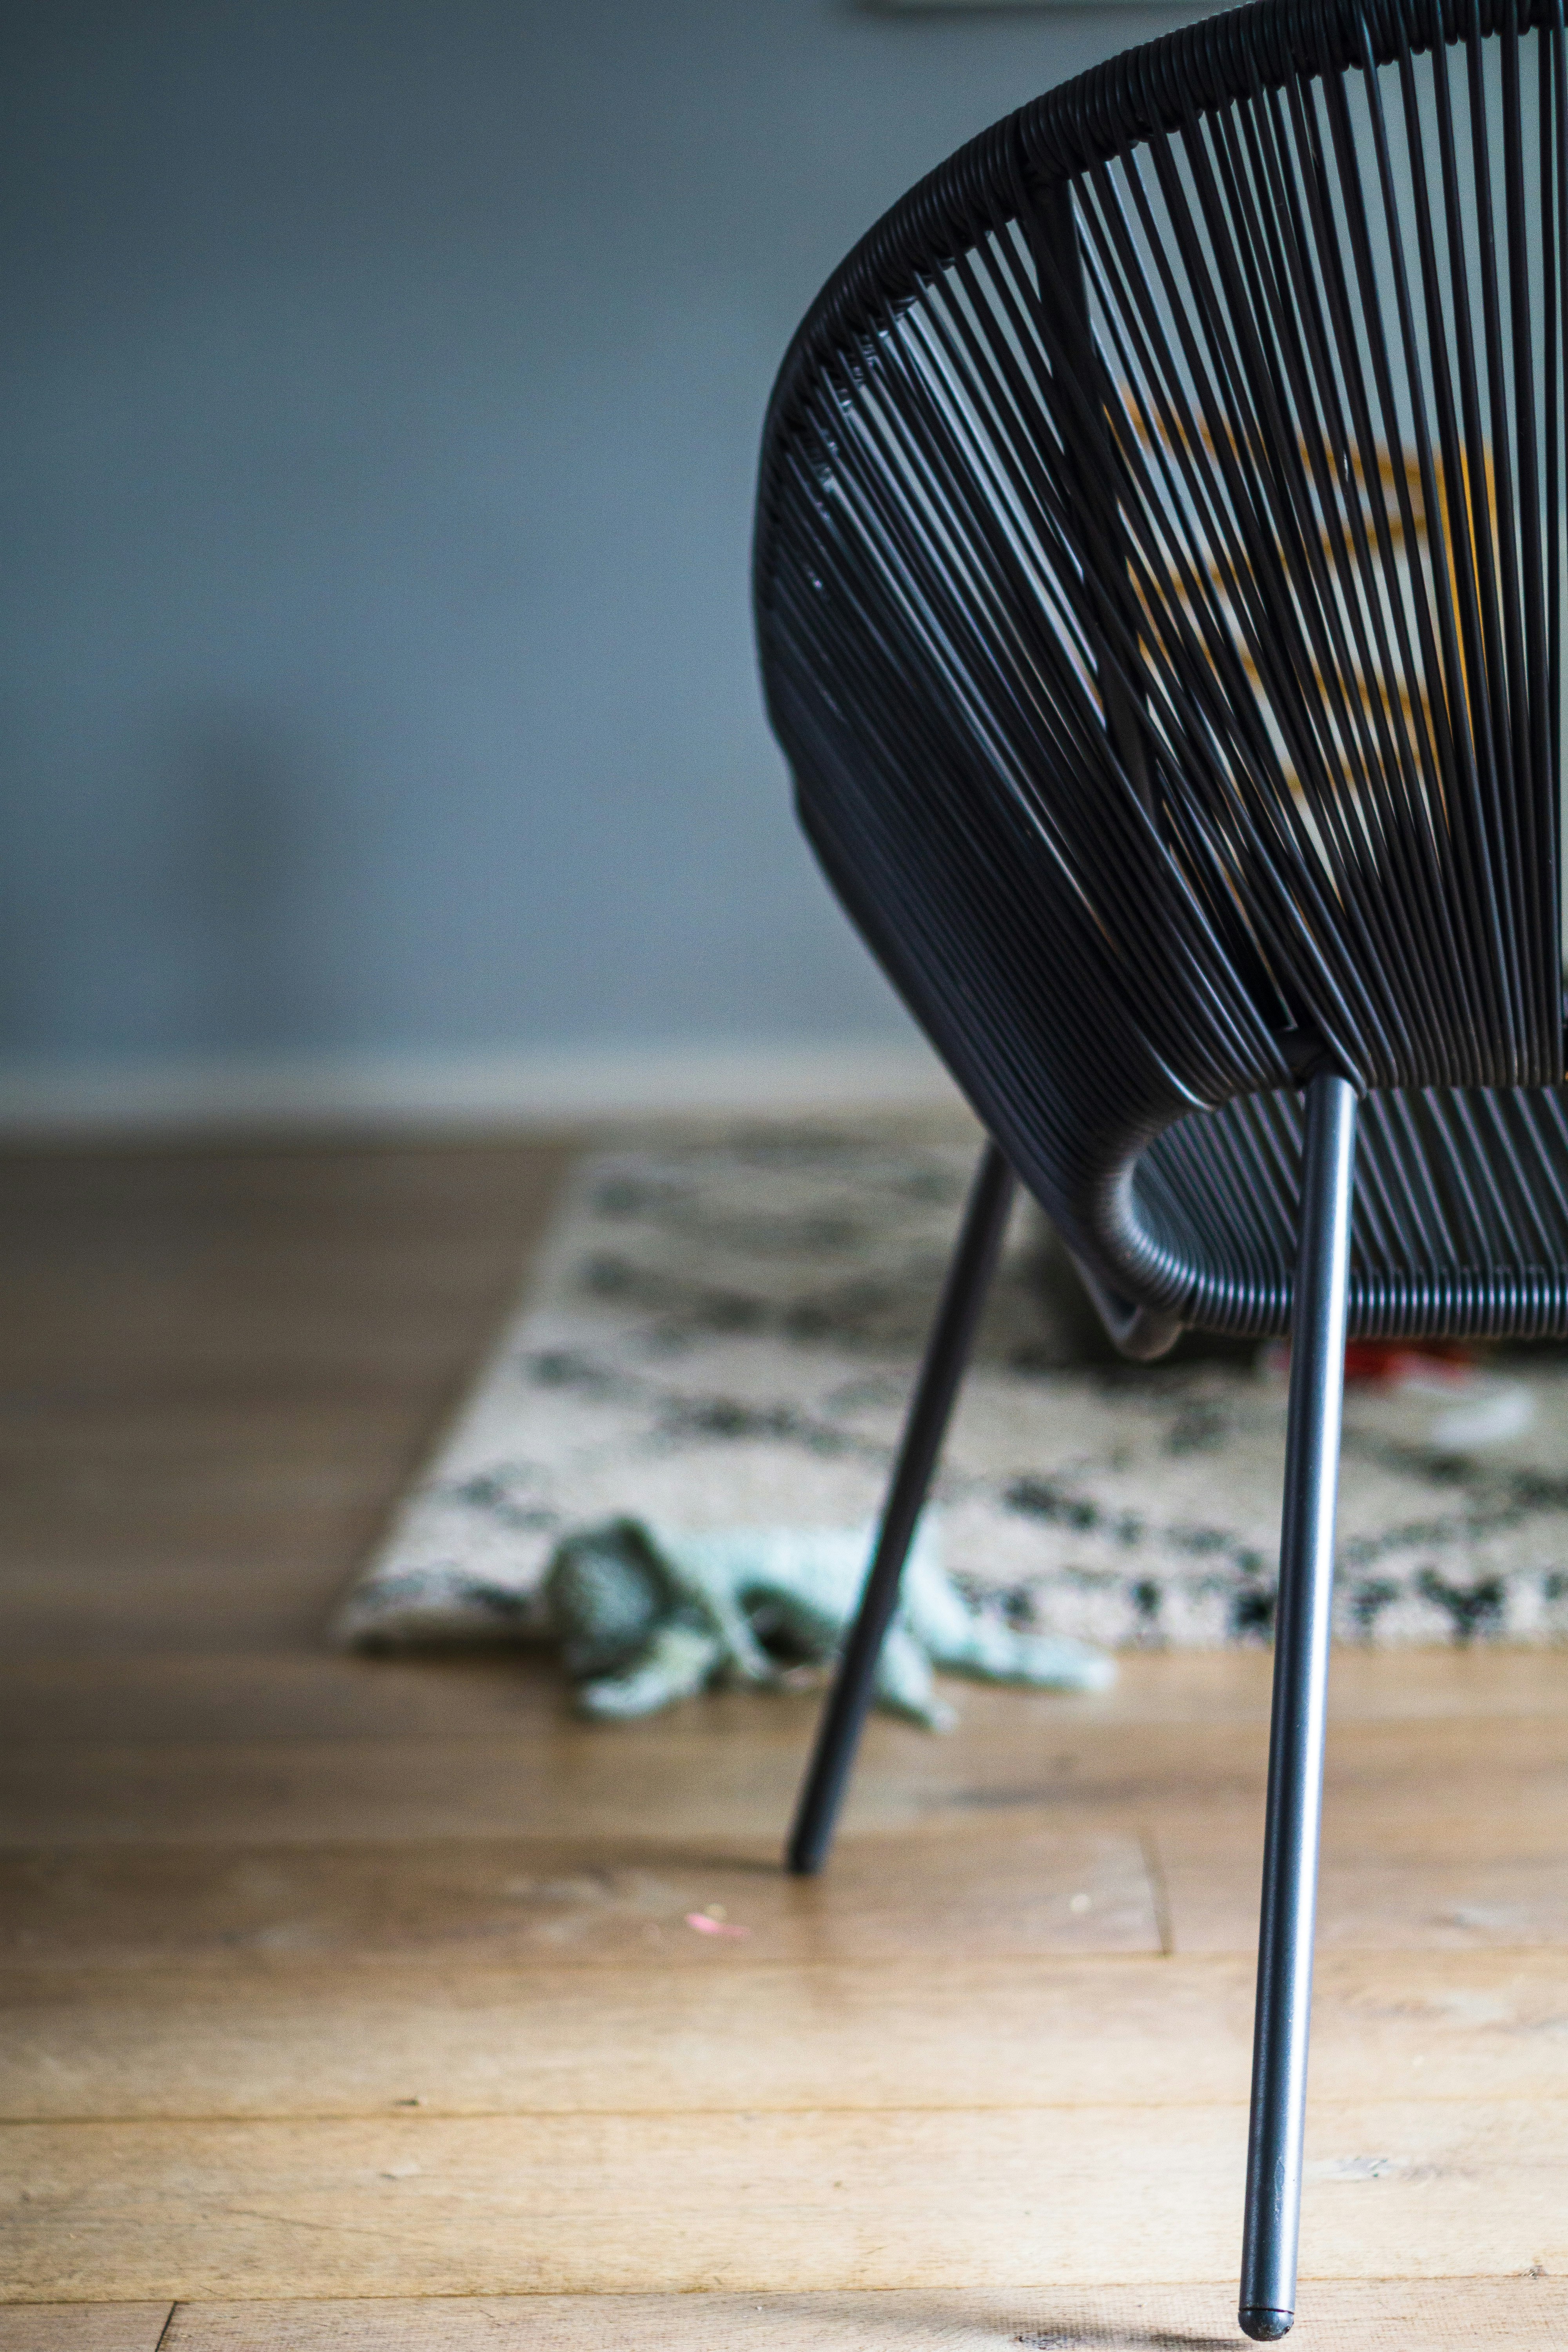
(410, 1093)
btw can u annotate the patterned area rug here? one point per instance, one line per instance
(723, 1333)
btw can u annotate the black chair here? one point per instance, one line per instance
(1158, 580)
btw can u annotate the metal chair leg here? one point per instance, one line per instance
(947, 1352)
(1302, 1633)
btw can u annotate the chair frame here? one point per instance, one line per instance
(1302, 1631)
(1075, 1117)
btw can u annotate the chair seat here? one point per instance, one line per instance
(1461, 1217)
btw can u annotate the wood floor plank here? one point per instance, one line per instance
(266, 1590)
(160, 1258)
(1219, 1699)
(215, 1694)
(84, 2326)
(225, 1432)
(1463, 1819)
(1499, 2315)
(305, 2040)
(528, 1782)
(217, 1367)
(1084, 1887)
(373, 1320)
(730, 1764)
(638, 2203)
(1385, 1904)
(152, 1693)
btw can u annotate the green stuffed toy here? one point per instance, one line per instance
(647, 1616)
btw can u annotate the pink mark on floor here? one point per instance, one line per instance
(706, 1925)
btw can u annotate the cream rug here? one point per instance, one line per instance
(723, 1333)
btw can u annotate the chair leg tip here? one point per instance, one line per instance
(1264, 2323)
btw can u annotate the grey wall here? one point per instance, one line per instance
(381, 381)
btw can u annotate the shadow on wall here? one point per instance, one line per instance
(207, 878)
(238, 834)
(395, 374)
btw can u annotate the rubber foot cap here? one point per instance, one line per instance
(1263, 2323)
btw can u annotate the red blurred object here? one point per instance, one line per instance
(1386, 1362)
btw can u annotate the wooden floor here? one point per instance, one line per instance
(357, 2003)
